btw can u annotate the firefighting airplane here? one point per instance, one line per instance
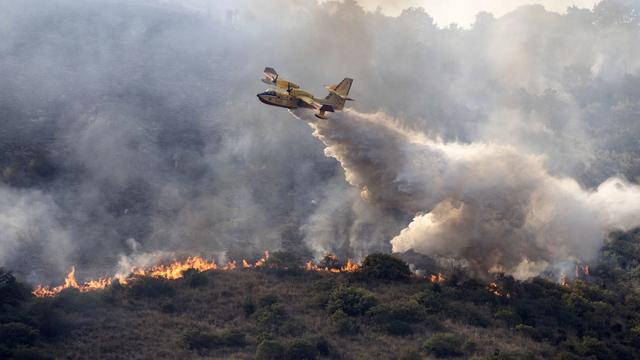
(289, 95)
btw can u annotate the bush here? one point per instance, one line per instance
(343, 324)
(385, 267)
(249, 307)
(405, 311)
(301, 349)
(195, 278)
(508, 316)
(284, 261)
(444, 345)
(51, 322)
(398, 328)
(431, 301)
(352, 301)
(267, 300)
(151, 287)
(270, 318)
(270, 350)
(11, 291)
(196, 340)
(15, 334)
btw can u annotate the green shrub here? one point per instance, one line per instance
(248, 306)
(12, 292)
(508, 316)
(405, 311)
(51, 322)
(322, 344)
(301, 349)
(205, 340)
(385, 267)
(270, 318)
(267, 300)
(431, 301)
(151, 287)
(444, 345)
(343, 324)
(270, 350)
(352, 301)
(397, 328)
(410, 355)
(15, 334)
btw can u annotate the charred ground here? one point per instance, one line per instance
(276, 313)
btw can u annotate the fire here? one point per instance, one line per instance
(495, 290)
(71, 282)
(437, 278)
(563, 280)
(172, 271)
(348, 267)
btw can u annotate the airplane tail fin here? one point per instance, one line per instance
(338, 94)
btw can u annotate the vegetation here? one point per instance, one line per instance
(247, 314)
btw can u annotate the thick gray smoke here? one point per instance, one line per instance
(489, 204)
(130, 128)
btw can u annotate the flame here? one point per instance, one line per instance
(563, 280)
(437, 278)
(495, 290)
(348, 267)
(585, 270)
(71, 282)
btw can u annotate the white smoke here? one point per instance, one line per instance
(489, 204)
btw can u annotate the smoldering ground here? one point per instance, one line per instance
(132, 128)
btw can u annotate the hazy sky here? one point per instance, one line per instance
(463, 12)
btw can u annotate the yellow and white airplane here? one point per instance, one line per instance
(289, 95)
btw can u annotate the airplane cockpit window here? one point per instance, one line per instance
(270, 92)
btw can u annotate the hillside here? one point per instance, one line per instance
(382, 310)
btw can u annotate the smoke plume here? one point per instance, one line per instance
(492, 205)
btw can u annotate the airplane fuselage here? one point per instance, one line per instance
(283, 99)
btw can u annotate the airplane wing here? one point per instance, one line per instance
(271, 77)
(308, 100)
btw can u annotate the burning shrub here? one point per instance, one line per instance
(15, 334)
(151, 287)
(270, 350)
(198, 340)
(444, 345)
(343, 324)
(385, 267)
(351, 300)
(330, 262)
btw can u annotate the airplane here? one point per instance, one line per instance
(289, 95)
